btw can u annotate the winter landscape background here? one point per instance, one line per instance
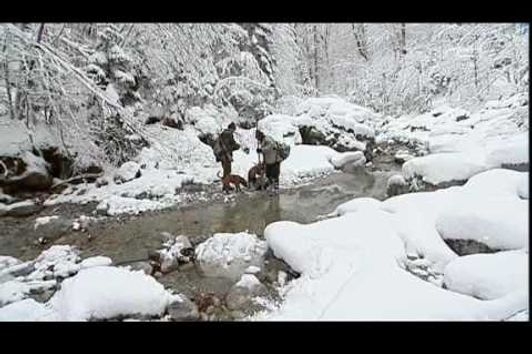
(405, 195)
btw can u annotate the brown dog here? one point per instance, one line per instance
(235, 180)
(255, 175)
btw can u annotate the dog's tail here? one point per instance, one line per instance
(218, 175)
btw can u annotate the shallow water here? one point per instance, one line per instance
(135, 236)
(130, 238)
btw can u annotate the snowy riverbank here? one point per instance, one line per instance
(353, 265)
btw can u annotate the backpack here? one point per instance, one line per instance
(217, 149)
(283, 150)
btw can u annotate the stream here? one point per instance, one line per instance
(129, 238)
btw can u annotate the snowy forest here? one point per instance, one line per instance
(406, 171)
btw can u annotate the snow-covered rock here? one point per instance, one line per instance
(16, 290)
(177, 250)
(34, 175)
(252, 270)
(229, 255)
(396, 185)
(27, 310)
(461, 143)
(240, 295)
(182, 309)
(81, 223)
(12, 291)
(497, 184)
(56, 261)
(356, 157)
(497, 224)
(488, 276)
(353, 267)
(339, 113)
(8, 261)
(306, 161)
(109, 292)
(96, 261)
(280, 128)
(43, 220)
(17, 270)
(128, 171)
(328, 121)
(511, 151)
(52, 227)
(444, 167)
(356, 205)
(402, 156)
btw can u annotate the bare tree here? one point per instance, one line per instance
(359, 32)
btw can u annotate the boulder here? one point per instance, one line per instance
(95, 261)
(127, 172)
(152, 120)
(91, 170)
(356, 157)
(81, 223)
(229, 255)
(173, 123)
(52, 227)
(396, 185)
(467, 247)
(142, 265)
(402, 156)
(103, 208)
(8, 261)
(184, 310)
(18, 269)
(207, 303)
(28, 172)
(312, 136)
(177, 251)
(240, 295)
(60, 163)
(100, 182)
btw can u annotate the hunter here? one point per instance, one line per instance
(224, 147)
(274, 153)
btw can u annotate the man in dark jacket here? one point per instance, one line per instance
(227, 146)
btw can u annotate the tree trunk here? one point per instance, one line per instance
(40, 33)
(360, 37)
(326, 43)
(403, 38)
(316, 59)
(475, 67)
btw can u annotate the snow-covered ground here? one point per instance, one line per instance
(353, 265)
